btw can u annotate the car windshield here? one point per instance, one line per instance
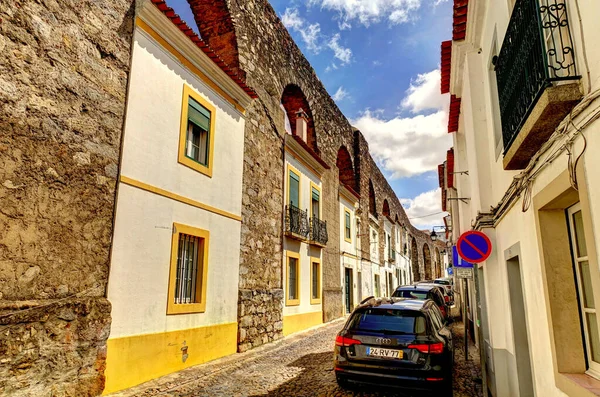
(389, 321)
(443, 282)
(410, 293)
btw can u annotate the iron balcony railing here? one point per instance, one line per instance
(537, 50)
(296, 221)
(318, 231)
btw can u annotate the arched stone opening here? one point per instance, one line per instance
(427, 261)
(346, 169)
(217, 29)
(372, 202)
(386, 208)
(437, 262)
(414, 259)
(294, 100)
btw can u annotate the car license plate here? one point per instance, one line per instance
(384, 353)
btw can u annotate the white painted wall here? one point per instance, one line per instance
(141, 253)
(305, 250)
(476, 151)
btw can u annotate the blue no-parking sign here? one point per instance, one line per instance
(474, 246)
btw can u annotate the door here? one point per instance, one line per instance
(390, 284)
(520, 332)
(348, 289)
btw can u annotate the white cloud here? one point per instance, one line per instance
(340, 94)
(406, 146)
(368, 12)
(341, 53)
(377, 63)
(412, 145)
(424, 93)
(310, 33)
(291, 19)
(425, 204)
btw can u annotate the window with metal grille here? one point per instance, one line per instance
(293, 279)
(347, 227)
(189, 269)
(315, 294)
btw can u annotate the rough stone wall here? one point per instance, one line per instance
(63, 79)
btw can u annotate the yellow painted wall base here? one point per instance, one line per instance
(297, 322)
(136, 359)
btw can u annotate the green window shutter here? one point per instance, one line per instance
(315, 194)
(294, 189)
(198, 115)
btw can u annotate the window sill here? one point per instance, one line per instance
(294, 302)
(315, 301)
(189, 308)
(578, 384)
(184, 160)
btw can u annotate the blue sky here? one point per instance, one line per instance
(379, 59)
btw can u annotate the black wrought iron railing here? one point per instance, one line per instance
(296, 221)
(537, 51)
(318, 231)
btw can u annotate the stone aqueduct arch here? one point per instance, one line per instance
(346, 169)
(414, 258)
(438, 263)
(372, 201)
(386, 208)
(293, 99)
(427, 261)
(217, 29)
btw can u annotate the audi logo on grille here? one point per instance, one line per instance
(383, 341)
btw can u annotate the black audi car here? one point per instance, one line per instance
(398, 343)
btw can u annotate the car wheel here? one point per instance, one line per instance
(343, 383)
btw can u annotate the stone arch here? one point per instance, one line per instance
(217, 29)
(438, 265)
(372, 201)
(427, 261)
(414, 259)
(386, 208)
(293, 99)
(346, 169)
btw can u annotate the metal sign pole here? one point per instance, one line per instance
(466, 337)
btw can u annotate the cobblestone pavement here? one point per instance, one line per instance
(298, 366)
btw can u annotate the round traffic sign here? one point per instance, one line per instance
(474, 246)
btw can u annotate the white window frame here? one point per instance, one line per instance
(593, 366)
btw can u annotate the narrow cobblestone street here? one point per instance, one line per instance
(301, 365)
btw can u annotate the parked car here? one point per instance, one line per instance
(398, 343)
(448, 295)
(446, 282)
(422, 292)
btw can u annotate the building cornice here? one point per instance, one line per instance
(172, 34)
(294, 146)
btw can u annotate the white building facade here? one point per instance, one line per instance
(524, 80)
(175, 258)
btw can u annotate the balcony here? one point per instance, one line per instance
(537, 78)
(318, 232)
(296, 223)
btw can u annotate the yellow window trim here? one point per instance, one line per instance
(288, 255)
(317, 188)
(179, 308)
(188, 92)
(314, 301)
(291, 168)
(348, 240)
